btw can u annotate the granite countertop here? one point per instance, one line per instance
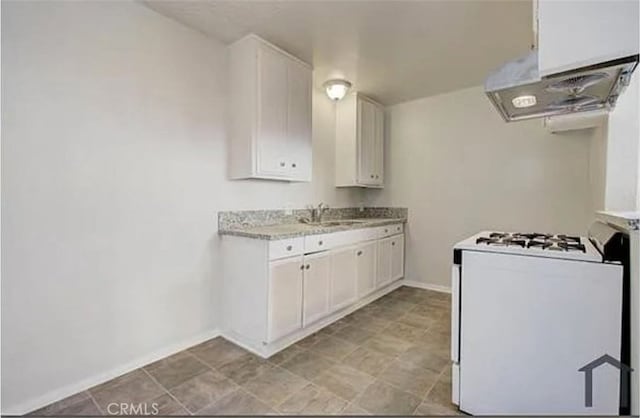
(282, 231)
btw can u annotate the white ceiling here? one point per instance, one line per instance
(391, 50)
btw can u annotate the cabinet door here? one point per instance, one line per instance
(383, 275)
(299, 121)
(285, 297)
(397, 257)
(366, 268)
(316, 287)
(272, 113)
(366, 142)
(343, 289)
(378, 147)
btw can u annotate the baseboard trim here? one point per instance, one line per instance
(427, 286)
(84, 384)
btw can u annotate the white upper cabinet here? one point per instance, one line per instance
(359, 142)
(270, 113)
(573, 34)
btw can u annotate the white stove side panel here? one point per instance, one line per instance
(527, 325)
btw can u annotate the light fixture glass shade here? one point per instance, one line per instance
(336, 89)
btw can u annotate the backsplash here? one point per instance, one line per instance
(245, 218)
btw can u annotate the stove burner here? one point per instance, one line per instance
(550, 242)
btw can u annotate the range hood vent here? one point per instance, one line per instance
(519, 92)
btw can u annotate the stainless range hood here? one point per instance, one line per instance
(519, 92)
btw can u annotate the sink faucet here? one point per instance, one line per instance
(316, 213)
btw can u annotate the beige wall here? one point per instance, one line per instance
(461, 169)
(113, 169)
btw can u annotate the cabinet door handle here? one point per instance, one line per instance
(372, 176)
(359, 253)
(302, 267)
(376, 176)
(393, 243)
(293, 165)
(320, 242)
(308, 267)
(386, 230)
(289, 247)
(282, 164)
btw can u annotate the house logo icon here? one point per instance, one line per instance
(588, 368)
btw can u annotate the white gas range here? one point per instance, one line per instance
(529, 311)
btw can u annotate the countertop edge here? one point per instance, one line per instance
(327, 230)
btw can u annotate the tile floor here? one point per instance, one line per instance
(389, 358)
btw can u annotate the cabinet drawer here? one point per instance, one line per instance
(388, 230)
(285, 248)
(315, 243)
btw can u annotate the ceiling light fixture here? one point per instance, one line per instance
(336, 88)
(526, 100)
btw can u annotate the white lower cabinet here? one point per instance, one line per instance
(390, 260)
(285, 297)
(397, 257)
(366, 268)
(383, 273)
(274, 290)
(343, 278)
(315, 299)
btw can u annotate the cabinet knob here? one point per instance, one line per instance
(386, 230)
(293, 165)
(320, 242)
(372, 176)
(282, 164)
(359, 253)
(289, 247)
(376, 176)
(302, 267)
(393, 243)
(308, 267)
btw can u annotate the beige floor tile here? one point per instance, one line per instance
(390, 314)
(167, 406)
(386, 344)
(176, 369)
(431, 409)
(312, 400)
(354, 410)
(55, 407)
(307, 364)
(356, 335)
(372, 323)
(202, 390)
(335, 327)
(416, 320)
(307, 342)
(245, 368)
(284, 355)
(409, 377)
(343, 381)
(217, 352)
(422, 357)
(367, 361)
(71, 407)
(334, 348)
(404, 332)
(440, 393)
(135, 387)
(429, 311)
(238, 402)
(275, 385)
(383, 399)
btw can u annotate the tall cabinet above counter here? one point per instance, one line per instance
(359, 142)
(270, 112)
